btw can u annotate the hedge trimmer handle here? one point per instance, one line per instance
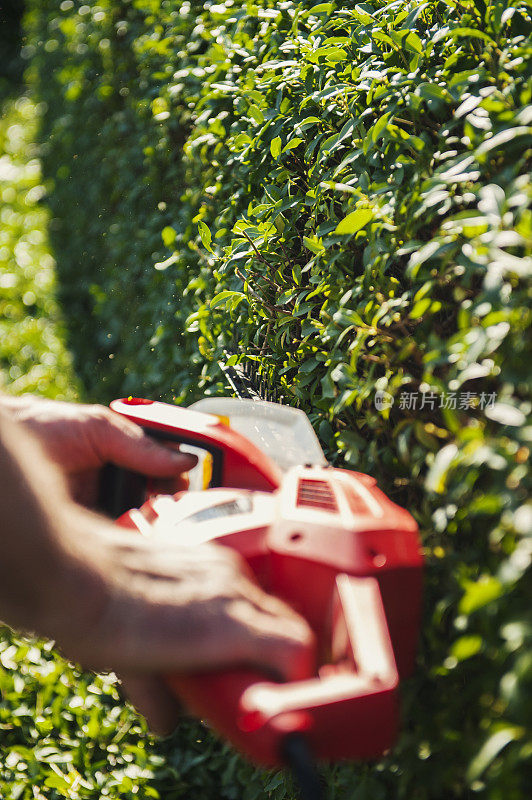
(359, 685)
(236, 462)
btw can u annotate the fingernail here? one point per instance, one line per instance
(184, 460)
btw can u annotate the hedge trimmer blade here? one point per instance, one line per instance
(284, 434)
(296, 750)
(241, 382)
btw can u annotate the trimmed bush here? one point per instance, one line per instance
(340, 196)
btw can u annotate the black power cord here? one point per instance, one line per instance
(296, 753)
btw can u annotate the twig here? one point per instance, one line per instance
(266, 335)
(257, 251)
(265, 303)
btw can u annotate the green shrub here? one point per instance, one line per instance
(340, 195)
(11, 12)
(33, 357)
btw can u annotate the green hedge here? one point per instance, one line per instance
(11, 63)
(340, 195)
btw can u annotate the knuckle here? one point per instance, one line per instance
(228, 559)
(306, 636)
(101, 415)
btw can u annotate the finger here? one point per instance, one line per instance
(125, 444)
(198, 636)
(154, 700)
(278, 638)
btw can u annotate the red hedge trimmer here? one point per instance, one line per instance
(327, 541)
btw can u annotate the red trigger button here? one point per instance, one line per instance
(137, 401)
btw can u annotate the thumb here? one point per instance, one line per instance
(154, 700)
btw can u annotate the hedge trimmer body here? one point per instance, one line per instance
(330, 544)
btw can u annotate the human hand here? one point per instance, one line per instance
(113, 599)
(161, 608)
(81, 438)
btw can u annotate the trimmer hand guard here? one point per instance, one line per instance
(346, 710)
